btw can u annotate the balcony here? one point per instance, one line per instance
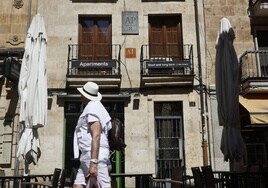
(258, 7)
(258, 12)
(166, 70)
(97, 63)
(254, 71)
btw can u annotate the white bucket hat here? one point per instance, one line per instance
(91, 91)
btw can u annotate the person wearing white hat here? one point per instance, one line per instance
(91, 138)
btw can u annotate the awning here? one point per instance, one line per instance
(257, 108)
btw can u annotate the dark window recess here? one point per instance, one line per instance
(256, 146)
(263, 56)
(262, 38)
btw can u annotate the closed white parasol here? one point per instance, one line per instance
(33, 91)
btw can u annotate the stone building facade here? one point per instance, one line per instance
(153, 102)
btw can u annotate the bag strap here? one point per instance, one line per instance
(93, 183)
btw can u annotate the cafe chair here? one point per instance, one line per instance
(62, 179)
(160, 180)
(198, 177)
(4, 182)
(177, 177)
(70, 180)
(210, 180)
(54, 183)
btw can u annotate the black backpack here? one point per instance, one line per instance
(115, 135)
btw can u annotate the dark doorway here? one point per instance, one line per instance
(72, 112)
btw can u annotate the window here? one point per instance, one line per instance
(256, 154)
(165, 37)
(95, 38)
(256, 146)
(169, 137)
(263, 55)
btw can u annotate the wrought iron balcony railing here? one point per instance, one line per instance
(254, 65)
(174, 63)
(94, 59)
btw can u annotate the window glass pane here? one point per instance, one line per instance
(103, 34)
(168, 108)
(88, 24)
(103, 25)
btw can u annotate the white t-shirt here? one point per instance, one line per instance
(94, 111)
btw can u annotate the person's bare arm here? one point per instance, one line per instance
(95, 129)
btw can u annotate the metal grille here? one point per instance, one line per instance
(169, 146)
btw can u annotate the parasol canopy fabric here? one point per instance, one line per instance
(227, 92)
(32, 89)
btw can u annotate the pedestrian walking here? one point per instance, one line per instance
(91, 138)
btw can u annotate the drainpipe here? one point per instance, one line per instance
(201, 88)
(29, 14)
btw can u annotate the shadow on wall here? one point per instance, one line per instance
(12, 95)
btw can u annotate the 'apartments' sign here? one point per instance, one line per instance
(88, 64)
